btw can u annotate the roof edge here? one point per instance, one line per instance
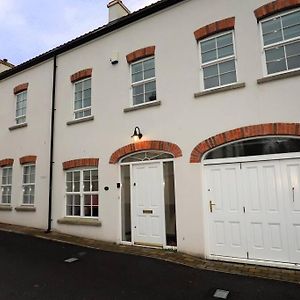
(85, 38)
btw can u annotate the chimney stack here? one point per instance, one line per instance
(117, 10)
(5, 65)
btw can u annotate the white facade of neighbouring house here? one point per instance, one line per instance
(210, 89)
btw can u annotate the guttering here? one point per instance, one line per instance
(110, 27)
(52, 127)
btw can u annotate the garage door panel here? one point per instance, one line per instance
(227, 236)
(257, 233)
(253, 190)
(275, 231)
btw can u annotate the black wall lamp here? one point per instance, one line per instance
(137, 135)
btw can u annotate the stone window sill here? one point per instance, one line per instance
(4, 207)
(79, 221)
(221, 89)
(82, 120)
(18, 126)
(25, 208)
(142, 106)
(278, 77)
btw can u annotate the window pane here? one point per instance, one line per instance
(87, 112)
(225, 51)
(149, 64)
(94, 175)
(78, 104)
(227, 66)
(150, 96)
(86, 175)
(76, 176)
(87, 102)
(137, 90)
(69, 186)
(78, 87)
(291, 32)
(76, 199)
(76, 211)
(76, 187)
(209, 56)
(87, 94)
(87, 200)
(275, 54)
(136, 68)
(95, 187)
(224, 40)
(273, 37)
(292, 49)
(69, 176)
(138, 99)
(149, 74)
(137, 77)
(228, 78)
(277, 66)
(293, 62)
(87, 84)
(210, 71)
(211, 82)
(208, 45)
(86, 186)
(150, 86)
(291, 19)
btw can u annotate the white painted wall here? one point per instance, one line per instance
(31, 140)
(180, 119)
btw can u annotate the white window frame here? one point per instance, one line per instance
(81, 193)
(28, 184)
(6, 185)
(218, 61)
(281, 43)
(21, 116)
(74, 100)
(132, 85)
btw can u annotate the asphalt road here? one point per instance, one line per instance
(32, 268)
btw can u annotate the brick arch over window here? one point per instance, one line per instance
(140, 54)
(292, 129)
(214, 28)
(275, 7)
(28, 159)
(6, 162)
(21, 88)
(82, 74)
(143, 146)
(81, 162)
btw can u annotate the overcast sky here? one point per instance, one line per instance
(31, 27)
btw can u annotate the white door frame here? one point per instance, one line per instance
(205, 205)
(131, 164)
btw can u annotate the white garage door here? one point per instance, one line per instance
(254, 210)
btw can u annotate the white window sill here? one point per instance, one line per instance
(25, 208)
(278, 76)
(79, 221)
(142, 106)
(18, 126)
(5, 207)
(220, 89)
(81, 120)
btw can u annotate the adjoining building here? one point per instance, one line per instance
(208, 90)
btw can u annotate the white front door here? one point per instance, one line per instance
(255, 211)
(148, 204)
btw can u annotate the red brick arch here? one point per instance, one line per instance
(292, 129)
(214, 28)
(144, 146)
(81, 162)
(275, 7)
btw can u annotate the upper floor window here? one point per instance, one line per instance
(218, 60)
(82, 193)
(21, 103)
(6, 185)
(281, 42)
(143, 81)
(28, 184)
(82, 101)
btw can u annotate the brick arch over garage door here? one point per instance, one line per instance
(292, 129)
(144, 146)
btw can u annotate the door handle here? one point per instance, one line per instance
(293, 191)
(211, 204)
